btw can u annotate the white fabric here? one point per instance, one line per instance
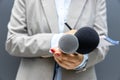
(62, 11)
(62, 7)
(106, 41)
(83, 64)
(55, 39)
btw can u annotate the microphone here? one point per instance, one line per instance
(68, 43)
(88, 40)
(83, 41)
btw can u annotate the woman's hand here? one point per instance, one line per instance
(67, 61)
(71, 32)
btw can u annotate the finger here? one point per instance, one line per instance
(76, 54)
(54, 50)
(63, 64)
(72, 58)
(65, 61)
(57, 54)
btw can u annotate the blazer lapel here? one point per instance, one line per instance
(75, 11)
(51, 14)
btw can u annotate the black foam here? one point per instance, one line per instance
(88, 40)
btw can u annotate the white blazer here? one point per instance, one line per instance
(31, 27)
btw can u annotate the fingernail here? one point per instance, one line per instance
(57, 54)
(52, 50)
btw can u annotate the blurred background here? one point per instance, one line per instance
(106, 70)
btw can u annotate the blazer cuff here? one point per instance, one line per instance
(55, 39)
(82, 66)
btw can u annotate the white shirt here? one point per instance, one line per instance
(62, 7)
(62, 11)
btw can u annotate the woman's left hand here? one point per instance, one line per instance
(67, 61)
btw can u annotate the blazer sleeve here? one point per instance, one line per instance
(100, 25)
(18, 42)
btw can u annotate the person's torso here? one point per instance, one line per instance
(41, 17)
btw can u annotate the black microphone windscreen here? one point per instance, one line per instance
(68, 43)
(88, 40)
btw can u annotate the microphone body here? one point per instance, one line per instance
(88, 40)
(83, 41)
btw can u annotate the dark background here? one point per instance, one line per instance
(106, 70)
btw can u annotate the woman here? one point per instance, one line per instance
(33, 27)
